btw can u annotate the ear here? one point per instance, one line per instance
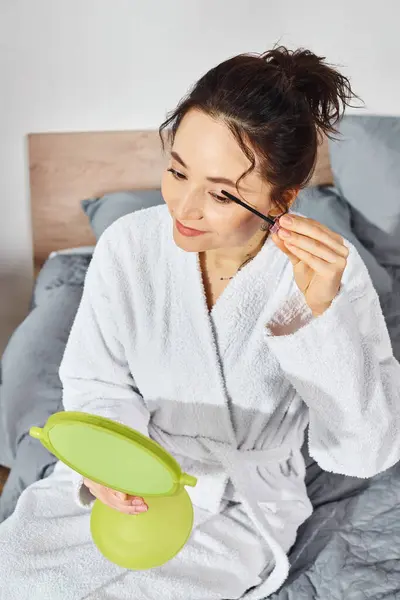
(292, 196)
(289, 196)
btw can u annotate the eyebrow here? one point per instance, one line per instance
(212, 179)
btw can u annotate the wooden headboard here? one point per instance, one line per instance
(66, 168)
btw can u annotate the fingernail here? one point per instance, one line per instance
(285, 220)
(275, 227)
(137, 502)
(142, 508)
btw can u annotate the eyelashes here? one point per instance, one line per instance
(217, 198)
(220, 199)
(176, 174)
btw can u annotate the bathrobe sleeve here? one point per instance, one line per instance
(94, 372)
(342, 366)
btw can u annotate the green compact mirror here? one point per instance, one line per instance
(123, 459)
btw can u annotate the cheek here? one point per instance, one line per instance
(233, 227)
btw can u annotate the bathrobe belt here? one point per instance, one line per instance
(236, 462)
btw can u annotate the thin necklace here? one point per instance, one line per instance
(247, 260)
(241, 267)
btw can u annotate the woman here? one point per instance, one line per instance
(222, 342)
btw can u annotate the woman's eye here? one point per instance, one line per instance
(176, 174)
(217, 198)
(220, 199)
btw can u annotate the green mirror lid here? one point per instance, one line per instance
(112, 454)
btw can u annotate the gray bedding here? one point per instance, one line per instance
(30, 389)
(348, 549)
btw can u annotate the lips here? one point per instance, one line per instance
(187, 231)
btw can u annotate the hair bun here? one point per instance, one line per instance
(326, 91)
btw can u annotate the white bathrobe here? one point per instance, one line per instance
(229, 393)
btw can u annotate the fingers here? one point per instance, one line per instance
(313, 246)
(302, 227)
(131, 505)
(282, 246)
(121, 495)
(317, 264)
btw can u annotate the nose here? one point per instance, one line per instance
(189, 207)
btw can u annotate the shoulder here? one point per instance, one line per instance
(137, 235)
(138, 228)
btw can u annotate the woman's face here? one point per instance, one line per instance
(205, 149)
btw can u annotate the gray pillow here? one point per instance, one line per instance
(326, 205)
(102, 212)
(366, 167)
(365, 162)
(30, 390)
(59, 270)
(385, 246)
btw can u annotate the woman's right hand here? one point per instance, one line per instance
(130, 505)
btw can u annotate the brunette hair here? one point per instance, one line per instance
(277, 104)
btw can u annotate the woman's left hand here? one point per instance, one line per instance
(318, 256)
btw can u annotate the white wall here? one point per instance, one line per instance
(121, 64)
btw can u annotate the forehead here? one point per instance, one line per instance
(209, 148)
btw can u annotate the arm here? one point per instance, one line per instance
(94, 371)
(342, 366)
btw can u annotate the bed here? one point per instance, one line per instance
(349, 548)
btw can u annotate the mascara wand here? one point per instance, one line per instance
(273, 223)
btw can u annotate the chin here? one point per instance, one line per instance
(190, 244)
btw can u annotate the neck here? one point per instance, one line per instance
(229, 260)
